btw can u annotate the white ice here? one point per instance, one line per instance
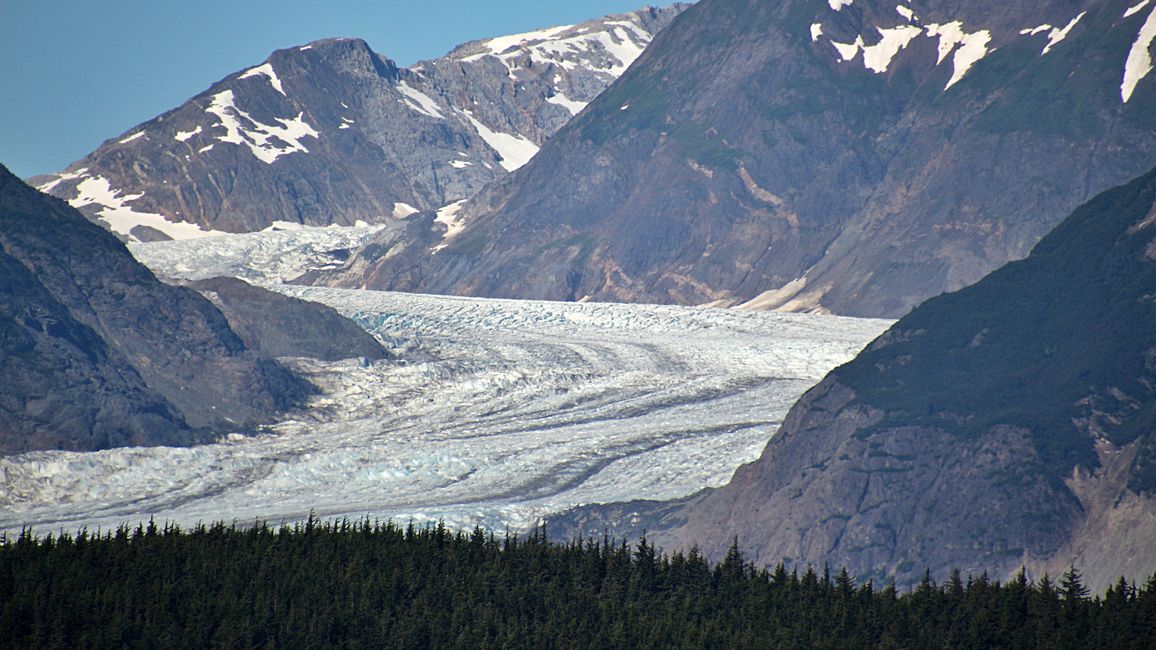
(265, 70)
(419, 101)
(517, 410)
(267, 142)
(275, 255)
(514, 150)
(1139, 62)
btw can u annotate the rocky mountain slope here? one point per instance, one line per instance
(1010, 423)
(333, 133)
(854, 156)
(277, 325)
(96, 353)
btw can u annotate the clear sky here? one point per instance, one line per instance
(74, 73)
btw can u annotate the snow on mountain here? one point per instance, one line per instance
(334, 133)
(522, 409)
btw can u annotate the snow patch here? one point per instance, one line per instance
(265, 70)
(266, 142)
(878, 57)
(969, 48)
(905, 12)
(447, 216)
(121, 218)
(514, 150)
(460, 164)
(816, 31)
(1136, 8)
(1139, 62)
(183, 136)
(575, 107)
(60, 178)
(1055, 34)
(138, 134)
(570, 48)
(836, 5)
(305, 48)
(402, 210)
(419, 101)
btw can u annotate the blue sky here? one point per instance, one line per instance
(74, 73)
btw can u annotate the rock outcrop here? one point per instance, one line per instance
(96, 352)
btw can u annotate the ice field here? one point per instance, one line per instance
(499, 413)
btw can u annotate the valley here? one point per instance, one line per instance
(498, 413)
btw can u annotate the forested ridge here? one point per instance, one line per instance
(367, 584)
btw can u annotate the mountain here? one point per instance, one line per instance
(282, 326)
(334, 133)
(852, 156)
(1010, 423)
(95, 352)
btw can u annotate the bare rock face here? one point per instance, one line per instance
(1008, 424)
(333, 133)
(853, 157)
(98, 353)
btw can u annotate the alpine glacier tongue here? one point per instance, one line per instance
(509, 411)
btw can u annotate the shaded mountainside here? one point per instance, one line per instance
(333, 133)
(854, 157)
(1009, 423)
(282, 326)
(97, 353)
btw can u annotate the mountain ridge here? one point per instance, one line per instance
(334, 133)
(744, 160)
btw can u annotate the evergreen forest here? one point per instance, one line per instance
(368, 585)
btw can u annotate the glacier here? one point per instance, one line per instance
(495, 412)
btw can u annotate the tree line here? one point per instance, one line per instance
(368, 584)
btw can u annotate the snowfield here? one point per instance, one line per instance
(500, 413)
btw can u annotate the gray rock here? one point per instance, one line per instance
(98, 353)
